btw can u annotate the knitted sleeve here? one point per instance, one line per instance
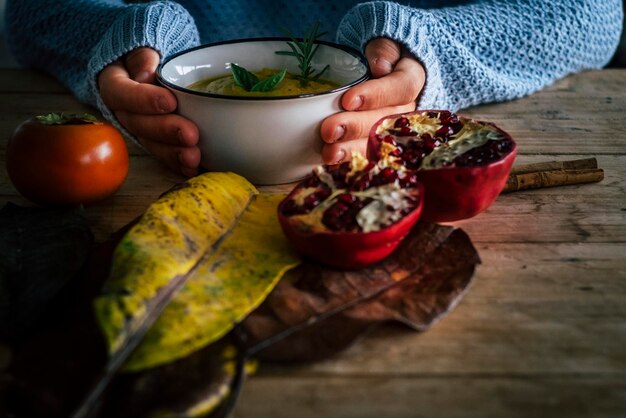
(75, 39)
(493, 50)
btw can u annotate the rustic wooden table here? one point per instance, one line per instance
(542, 331)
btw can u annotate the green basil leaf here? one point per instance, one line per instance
(270, 83)
(243, 78)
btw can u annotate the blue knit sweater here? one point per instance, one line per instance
(473, 51)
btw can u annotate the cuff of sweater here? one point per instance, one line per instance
(407, 26)
(164, 26)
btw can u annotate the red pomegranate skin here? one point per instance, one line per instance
(328, 218)
(349, 250)
(453, 193)
(457, 193)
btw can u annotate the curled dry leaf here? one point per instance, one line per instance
(195, 386)
(195, 249)
(226, 285)
(157, 255)
(314, 311)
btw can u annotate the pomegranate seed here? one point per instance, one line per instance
(346, 198)
(311, 201)
(456, 127)
(488, 153)
(332, 212)
(408, 181)
(389, 140)
(445, 115)
(324, 192)
(405, 131)
(412, 159)
(501, 147)
(387, 175)
(429, 143)
(400, 122)
(341, 216)
(388, 172)
(444, 131)
(339, 173)
(341, 206)
(364, 182)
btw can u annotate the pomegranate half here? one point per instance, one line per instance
(462, 163)
(351, 215)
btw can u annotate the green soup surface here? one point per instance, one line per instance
(290, 86)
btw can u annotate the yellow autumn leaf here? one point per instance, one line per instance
(225, 246)
(224, 288)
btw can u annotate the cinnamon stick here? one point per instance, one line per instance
(551, 178)
(585, 163)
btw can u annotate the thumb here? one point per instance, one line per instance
(382, 54)
(141, 64)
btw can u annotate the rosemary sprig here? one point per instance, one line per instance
(303, 50)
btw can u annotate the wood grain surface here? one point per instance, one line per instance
(542, 330)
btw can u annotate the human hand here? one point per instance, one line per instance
(397, 80)
(128, 87)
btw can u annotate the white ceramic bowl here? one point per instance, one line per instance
(269, 140)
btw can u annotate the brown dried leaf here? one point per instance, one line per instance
(315, 311)
(196, 385)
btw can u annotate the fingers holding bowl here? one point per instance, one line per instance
(400, 87)
(170, 138)
(395, 91)
(168, 129)
(345, 132)
(141, 64)
(120, 92)
(184, 160)
(382, 54)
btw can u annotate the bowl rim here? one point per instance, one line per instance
(345, 48)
